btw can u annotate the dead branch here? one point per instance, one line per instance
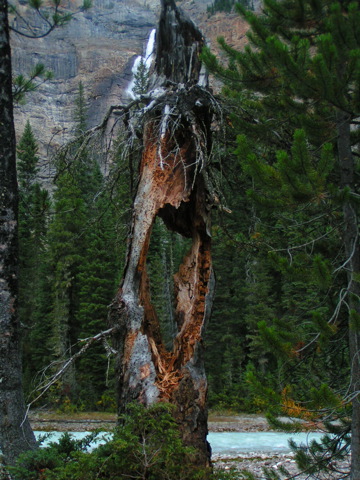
(46, 384)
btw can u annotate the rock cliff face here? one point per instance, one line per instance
(98, 47)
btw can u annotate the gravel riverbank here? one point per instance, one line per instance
(81, 423)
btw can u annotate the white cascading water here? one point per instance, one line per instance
(147, 59)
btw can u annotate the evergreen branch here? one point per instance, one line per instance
(305, 347)
(58, 21)
(23, 19)
(41, 15)
(34, 36)
(29, 86)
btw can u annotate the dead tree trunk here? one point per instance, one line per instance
(172, 185)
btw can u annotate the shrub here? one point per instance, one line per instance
(146, 445)
(36, 464)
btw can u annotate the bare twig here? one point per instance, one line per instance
(49, 382)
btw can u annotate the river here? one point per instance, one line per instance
(233, 443)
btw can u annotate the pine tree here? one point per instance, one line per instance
(297, 115)
(97, 281)
(141, 78)
(34, 204)
(84, 267)
(27, 151)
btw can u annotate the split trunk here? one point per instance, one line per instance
(173, 186)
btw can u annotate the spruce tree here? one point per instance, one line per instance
(141, 78)
(27, 151)
(34, 204)
(80, 111)
(68, 243)
(84, 265)
(97, 280)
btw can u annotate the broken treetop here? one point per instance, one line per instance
(179, 43)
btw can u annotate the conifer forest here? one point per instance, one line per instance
(197, 250)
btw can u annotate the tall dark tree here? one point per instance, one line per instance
(15, 432)
(34, 204)
(16, 435)
(67, 241)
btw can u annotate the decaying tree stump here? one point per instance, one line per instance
(172, 185)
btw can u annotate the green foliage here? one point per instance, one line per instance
(37, 464)
(87, 4)
(288, 88)
(27, 150)
(141, 78)
(146, 445)
(23, 84)
(225, 348)
(69, 269)
(36, 4)
(325, 455)
(34, 205)
(227, 5)
(221, 6)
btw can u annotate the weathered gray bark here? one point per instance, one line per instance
(16, 435)
(352, 255)
(173, 186)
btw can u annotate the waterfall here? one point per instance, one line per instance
(147, 60)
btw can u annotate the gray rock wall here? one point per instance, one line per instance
(97, 47)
